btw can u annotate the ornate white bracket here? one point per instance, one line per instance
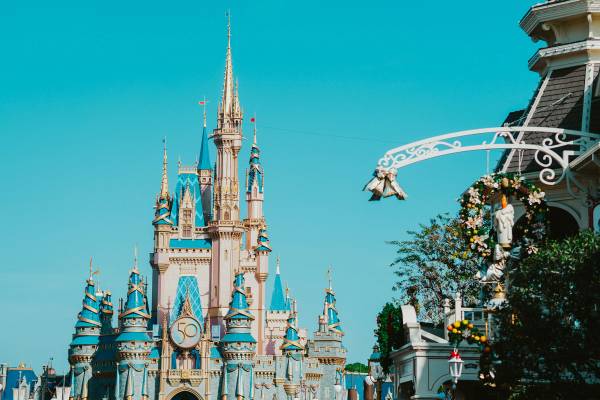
(552, 154)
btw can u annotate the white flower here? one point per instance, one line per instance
(474, 222)
(532, 249)
(474, 196)
(535, 198)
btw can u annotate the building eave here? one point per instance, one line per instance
(553, 10)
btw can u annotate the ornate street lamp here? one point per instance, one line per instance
(455, 365)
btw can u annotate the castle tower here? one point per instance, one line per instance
(238, 346)
(226, 229)
(293, 352)
(205, 173)
(276, 315)
(254, 195)
(163, 225)
(327, 346)
(133, 342)
(85, 343)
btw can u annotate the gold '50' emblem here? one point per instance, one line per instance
(186, 332)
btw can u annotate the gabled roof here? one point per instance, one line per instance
(558, 103)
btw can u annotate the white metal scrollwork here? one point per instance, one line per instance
(553, 150)
(552, 153)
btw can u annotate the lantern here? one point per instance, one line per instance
(455, 365)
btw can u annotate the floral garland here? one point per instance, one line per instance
(476, 232)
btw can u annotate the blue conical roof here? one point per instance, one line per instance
(238, 308)
(263, 240)
(333, 320)
(278, 300)
(90, 312)
(204, 158)
(255, 173)
(239, 331)
(135, 305)
(291, 340)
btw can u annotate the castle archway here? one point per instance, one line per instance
(184, 394)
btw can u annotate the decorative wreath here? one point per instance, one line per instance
(477, 229)
(465, 330)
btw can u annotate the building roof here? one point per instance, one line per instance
(278, 300)
(13, 378)
(188, 181)
(187, 287)
(204, 158)
(558, 103)
(90, 312)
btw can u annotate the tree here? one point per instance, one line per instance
(357, 367)
(548, 343)
(433, 265)
(389, 333)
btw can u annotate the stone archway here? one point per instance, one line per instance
(184, 394)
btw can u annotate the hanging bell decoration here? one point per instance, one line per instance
(384, 184)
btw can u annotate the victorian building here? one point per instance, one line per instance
(202, 329)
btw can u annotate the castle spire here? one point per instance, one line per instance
(278, 300)
(164, 184)
(330, 312)
(204, 157)
(227, 106)
(291, 340)
(163, 202)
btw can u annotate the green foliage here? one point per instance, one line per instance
(549, 329)
(357, 367)
(433, 265)
(389, 333)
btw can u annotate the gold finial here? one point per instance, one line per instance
(329, 277)
(135, 258)
(203, 104)
(277, 269)
(253, 120)
(91, 266)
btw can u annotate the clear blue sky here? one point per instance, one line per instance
(88, 90)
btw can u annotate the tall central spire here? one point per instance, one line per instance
(229, 109)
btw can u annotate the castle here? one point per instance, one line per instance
(205, 332)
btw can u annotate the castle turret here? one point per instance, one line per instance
(85, 342)
(293, 352)
(205, 173)
(254, 195)
(276, 315)
(133, 343)
(327, 345)
(106, 313)
(238, 346)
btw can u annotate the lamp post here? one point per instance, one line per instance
(455, 365)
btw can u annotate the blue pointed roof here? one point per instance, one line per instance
(255, 173)
(204, 159)
(163, 213)
(135, 305)
(238, 308)
(184, 181)
(90, 312)
(291, 340)
(263, 240)
(187, 286)
(333, 320)
(238, 311)
(278, 300)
